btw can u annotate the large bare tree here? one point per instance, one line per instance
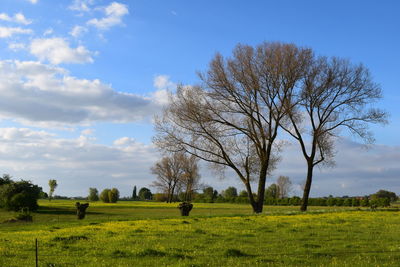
(334, 94)
(231, 119)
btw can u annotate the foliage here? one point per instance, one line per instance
(18, 195)
(93, 194)
(52, 185)
(230, 193)
(24, 215)
(113, 195)
(272, 191)
(105, 196)
(145, 194)
(385, 194)
(5, 179)
(134, 193)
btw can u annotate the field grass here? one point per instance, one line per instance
(153, 234)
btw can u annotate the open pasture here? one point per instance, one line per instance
(153, 234)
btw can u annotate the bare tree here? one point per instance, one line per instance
(232, 119)
(190, 178)
(169, 171)
(284, 185)
(334, 94)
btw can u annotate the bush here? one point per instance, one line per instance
(348, 202)
(145, 194)
(160, 197)
(104, 196)
(355, 202)
(295, 201)
(93, 194)
(18, 195)
(364, 202)
(113, 195)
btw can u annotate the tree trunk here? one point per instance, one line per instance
(307, 186)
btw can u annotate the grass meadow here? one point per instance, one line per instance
(154, 234)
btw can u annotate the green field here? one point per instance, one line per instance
(153, 234)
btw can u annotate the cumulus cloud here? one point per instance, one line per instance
(81, 5)
(359, 170)
(114, 14)
(34, 93)
(49, 31)
(16, 46)
(57, 51)
(77, 163)
(33, 1)
(80, 163)
(78, 31)
(6, 32)
(17, 18)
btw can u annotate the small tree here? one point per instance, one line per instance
(230, 193)
(113, 195)
(93, 194)
(385, 194)
(6, 179)
(272, 191)
(52, 185)
(134, 194)
(104, 196)
(285, 186)
(145, 194)
(18, 195)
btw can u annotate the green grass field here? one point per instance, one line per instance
(153, 234)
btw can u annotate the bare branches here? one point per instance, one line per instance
(232, 118)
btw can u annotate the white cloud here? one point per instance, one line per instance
(33, 1)
(49, 31)
(57, 51)
(358, 171)
(17, 18)
(37, 94)
(16, 46)
(114, 13)
(6, 32)
(163, 82)
(81, 5)
(77, 163)
(80, 163)
(124, 141)
(78, 31)
(87, 132)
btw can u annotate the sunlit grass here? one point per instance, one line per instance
(327, 237)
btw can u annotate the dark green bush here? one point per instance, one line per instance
(18, 195)
(105, 196)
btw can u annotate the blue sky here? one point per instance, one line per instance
(85, 78)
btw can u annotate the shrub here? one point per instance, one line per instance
(331, 201)
(295, 201)
(145, 194)
(355, 202)
(113, 195)
(364, 202)
(104, 196)
(93, 194)
(348, 202)
(18, 195)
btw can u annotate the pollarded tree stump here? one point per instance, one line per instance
(185, 208)
(81, 210)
